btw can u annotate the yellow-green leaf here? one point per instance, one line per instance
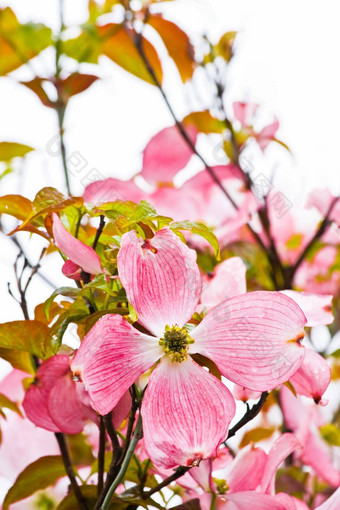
(117, 43)
(204, 122)
(20, 42)
(42, 473)
(6, 403)
(331, 434)
(11, 150)
(16, 205)
(224, 47)
(29, 336)
(18, 359)
(201, 230)
(255, 435)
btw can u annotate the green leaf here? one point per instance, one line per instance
(200, 229)
(331, 434)
(16, 205)
(11, 150)
(8, 404)
(255, 435)
(90, 494)
(30, 336)
(85, 47)
(62, 291)
(117, 43)
(42, 473)
(20, 42)
(18, 359)
(336, 354)
(81, 451)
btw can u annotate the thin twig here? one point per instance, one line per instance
(101, 455)
(99, 231)
(69, 470)
(250, 414)
(325, 224)
(180, 471)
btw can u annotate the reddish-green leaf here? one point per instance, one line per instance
(118, 44)
(16, 205)
(36, 86)
(76, 83)
(42, 473)
(177, 43)
(11, 150)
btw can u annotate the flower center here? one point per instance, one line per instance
(175, 343)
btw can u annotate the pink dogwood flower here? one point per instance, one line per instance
(54, 401)
(254, 339)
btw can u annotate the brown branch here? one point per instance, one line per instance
(250, 414)
(101, 455)
(325, 224)
(99, 231)
(69, 470)
(180, 471)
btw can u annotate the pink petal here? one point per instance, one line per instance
(246, 470)
(166, 154)
(186, 414)
(283, 446)
(253, 339)
(228, 280)
(23, 443)
(317, 454)
(316, 307)
(121, 410)
(290, 503)
(321, 199)
(71, 270)
(267, 134)
(161, 279)
(111, 190)
(332, 503)
(313, 377)
(244, 112)
(36, 398)
(294, 412)
(35, 406)
(64, 406)
(247, 501)
(202, 475)
(11, 385)
(111, 358)
(241, 393)
(79, 253)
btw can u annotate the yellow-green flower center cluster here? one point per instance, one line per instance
(175, 343)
